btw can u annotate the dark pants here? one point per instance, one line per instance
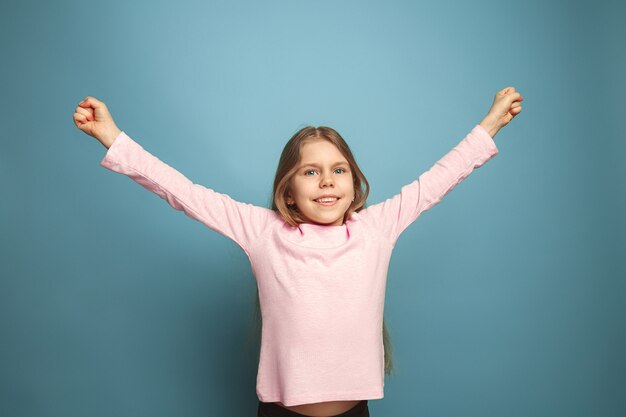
(275, 410)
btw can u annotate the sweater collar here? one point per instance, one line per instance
(318, 236)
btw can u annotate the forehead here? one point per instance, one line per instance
(320, 150)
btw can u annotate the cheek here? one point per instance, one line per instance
(350, 184)
(299, 190)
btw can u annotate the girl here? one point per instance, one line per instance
(319, 256)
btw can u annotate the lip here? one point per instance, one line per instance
(332, 203)
(328, 204)
(328, 196)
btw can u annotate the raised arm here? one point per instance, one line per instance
(392, 216)
(241, 222)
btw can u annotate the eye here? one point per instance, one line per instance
(342, 171)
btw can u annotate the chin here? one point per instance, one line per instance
(323, 222)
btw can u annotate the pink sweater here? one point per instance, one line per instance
(322, 288)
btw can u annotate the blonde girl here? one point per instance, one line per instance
(319, 255)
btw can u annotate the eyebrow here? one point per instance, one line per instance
(313, 164)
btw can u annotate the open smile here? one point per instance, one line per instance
(327, 201)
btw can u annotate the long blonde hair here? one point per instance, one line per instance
(287, 166)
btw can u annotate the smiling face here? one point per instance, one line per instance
(322, 171)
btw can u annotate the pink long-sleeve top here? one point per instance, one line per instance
(321, 288)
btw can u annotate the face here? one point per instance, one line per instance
(323, 171)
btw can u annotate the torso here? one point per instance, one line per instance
(324, 409)
(300, 287)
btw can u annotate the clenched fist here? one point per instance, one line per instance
(93, 117)
(506, 105)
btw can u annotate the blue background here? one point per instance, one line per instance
(507, 298)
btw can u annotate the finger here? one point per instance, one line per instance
(85, 112)
(80, 117)
(92, 102)
(77, 120)
(507, 90)
(513, 97)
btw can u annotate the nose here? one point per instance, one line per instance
(327, 181)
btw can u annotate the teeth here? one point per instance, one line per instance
(325, 200)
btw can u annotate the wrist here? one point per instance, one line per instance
(109, 137)
(490, 125)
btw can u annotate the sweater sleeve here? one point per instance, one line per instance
(241, 222)
(392, 216)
